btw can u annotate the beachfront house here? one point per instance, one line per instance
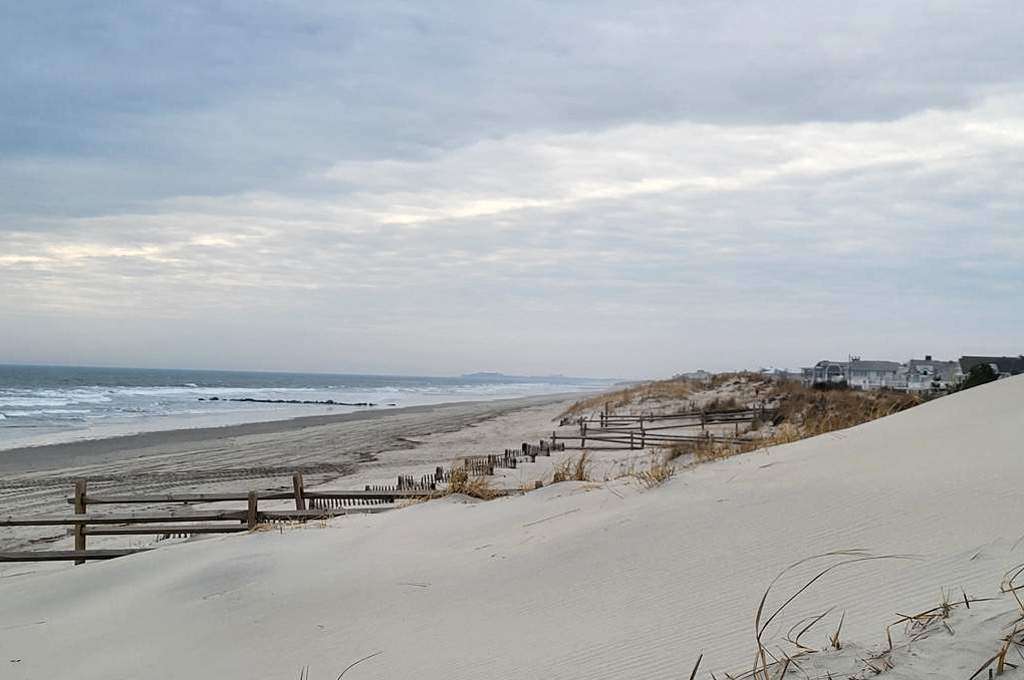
(875, 375)
(1004, 367)
(916, 375)
(924, 375)
(825, 372)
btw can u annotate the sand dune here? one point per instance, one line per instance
(576, 580)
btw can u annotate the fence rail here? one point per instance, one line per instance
(636, 440)
(78, 556)
(606, 419)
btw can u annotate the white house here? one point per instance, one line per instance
(917, 375)
(875, 375)
(927, 374)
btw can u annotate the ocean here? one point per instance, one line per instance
(53, 404)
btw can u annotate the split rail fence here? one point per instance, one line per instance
(309, 505)
(637, 431)
(621, 430)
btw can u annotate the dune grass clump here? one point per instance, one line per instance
(779, 661)
(658, 471)
(468, 485)
(573, 469)
(819, 411)
(706, 450)
(722, 404)
(612, 400)
(674, 388)
(773, 665)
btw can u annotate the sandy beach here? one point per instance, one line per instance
(603, 579)
(512, 341)
(344, 451)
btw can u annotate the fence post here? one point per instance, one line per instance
(251, 515)
(583, 440)
(80, 506)
(631, 440)
(300, 491)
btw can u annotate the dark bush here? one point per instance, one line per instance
(979, 375)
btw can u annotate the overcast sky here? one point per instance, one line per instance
(618, 189)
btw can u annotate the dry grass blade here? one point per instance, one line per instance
(812, 621)
(1009, 584)
(983, 667)
(761, 670)
(581, 471)
(693, 673)
(355, 663)
(834, 639)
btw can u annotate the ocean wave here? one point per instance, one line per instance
(51, 397)
(180, 390)
(33, 401)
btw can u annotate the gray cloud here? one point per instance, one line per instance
(163, 99)
(396, 187)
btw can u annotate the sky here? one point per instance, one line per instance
(625, 189)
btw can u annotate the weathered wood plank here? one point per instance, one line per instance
(281, 515)
(370, 495)
(252, 511)
(299, 488)
(159, 529)
(68, 555)
(80, 505)
(244, 496)
(185, 498)
(123, 518)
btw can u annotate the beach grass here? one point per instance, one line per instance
(573, 469)
(462, 482)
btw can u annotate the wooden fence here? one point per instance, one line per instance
(180, 523)
(694, 417)
(83, 523)
(637, 431)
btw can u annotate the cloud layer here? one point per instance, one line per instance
(565, 187)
